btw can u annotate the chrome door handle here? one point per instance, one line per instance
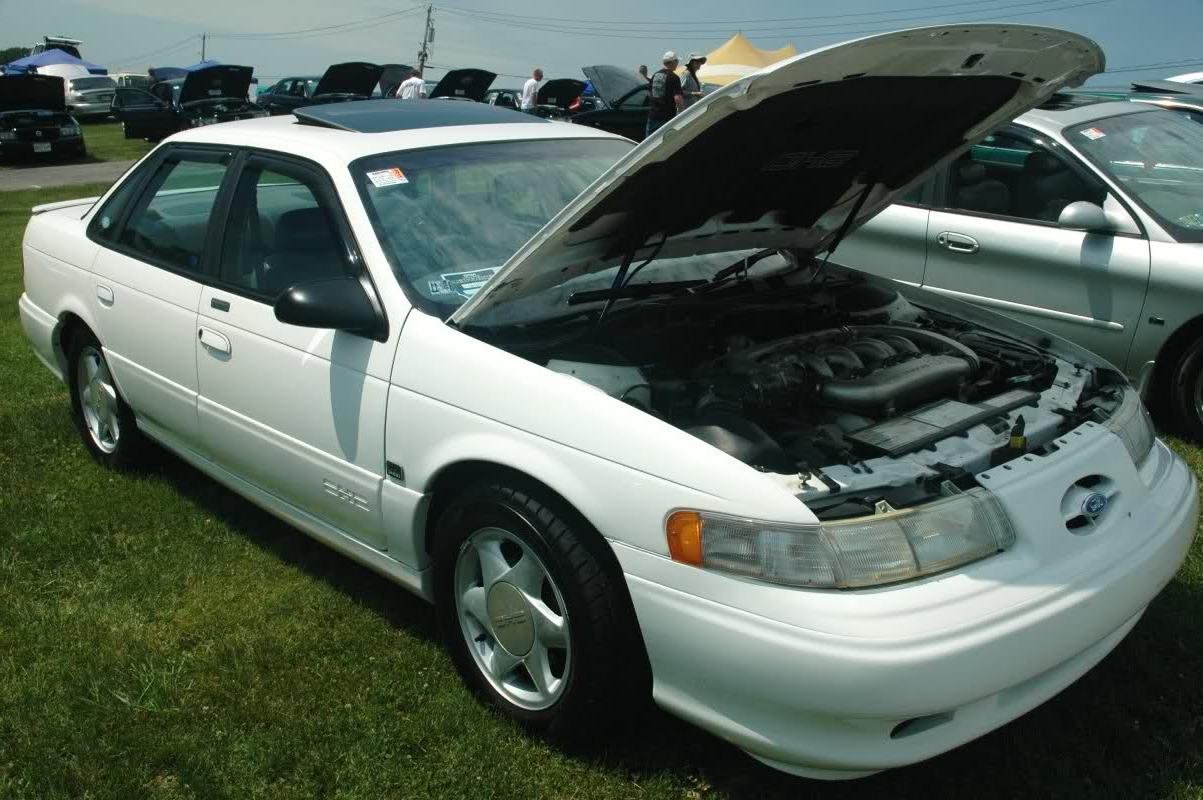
(104, 294)
(213, 340)
(957, 242)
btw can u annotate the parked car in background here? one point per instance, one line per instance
(206, 96)
(629, 444)
(625, 96)
(351, 80)
(1186, 99)
(556, 98)
(132, 80)
(1083, 218)
(288, 94)
(504, 98)
(34, 120)
(463, 84)
(90, 97)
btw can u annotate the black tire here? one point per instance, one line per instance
(606, 677)
(128, 447)
(1186, 392)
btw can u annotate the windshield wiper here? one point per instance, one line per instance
(632, 291)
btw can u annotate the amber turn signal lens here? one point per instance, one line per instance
(684, 529)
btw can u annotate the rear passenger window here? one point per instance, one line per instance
(281, 232)
(170, 222)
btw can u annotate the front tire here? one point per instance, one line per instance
(534, 613)
(104, 421)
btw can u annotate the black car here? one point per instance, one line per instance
(288, 94)
(34, 120)
(556, 98)
(205, 96)
(464, 84)
(625, 94)
(351, 80)
(505, 98)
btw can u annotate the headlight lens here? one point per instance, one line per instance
(845, 554)
(1132, 424)
(68, 130)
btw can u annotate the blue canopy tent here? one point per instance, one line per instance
(49, 58)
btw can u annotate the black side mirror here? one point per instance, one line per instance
(336, 303)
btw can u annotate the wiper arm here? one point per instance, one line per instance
(632, 291)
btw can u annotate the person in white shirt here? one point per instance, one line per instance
(413, 87)
(530, 90)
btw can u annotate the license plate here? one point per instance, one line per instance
(41, 147)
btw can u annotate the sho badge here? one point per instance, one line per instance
(809, 159)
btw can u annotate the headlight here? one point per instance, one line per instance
(8, 136)
(1131, 423)
(68, 130)
(866, 551)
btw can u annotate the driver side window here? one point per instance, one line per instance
(169, 224)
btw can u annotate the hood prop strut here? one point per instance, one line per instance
(844, 226)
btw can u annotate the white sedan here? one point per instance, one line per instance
(608, 408)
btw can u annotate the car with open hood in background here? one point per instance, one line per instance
(1083, 217)
(205, 96)
(463, 84)
(629, 445)
(34, 120)
(625, 94)
(340, 83)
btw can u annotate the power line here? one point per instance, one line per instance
(807, 32)
(186, 41)
(1166, 65)
(320, 30)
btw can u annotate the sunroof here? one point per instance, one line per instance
(379, 116)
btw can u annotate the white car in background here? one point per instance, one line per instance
(654, 441)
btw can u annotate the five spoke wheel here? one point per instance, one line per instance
(513, 617)
(98, 400)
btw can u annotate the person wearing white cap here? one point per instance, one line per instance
(691, 84)
(665, 100)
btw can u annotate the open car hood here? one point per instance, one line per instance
(31, 93)
(351, 77)
(221, 80)
(467, 83)
(559, 92)
(789, 156)
(613, 83)
(391, 77)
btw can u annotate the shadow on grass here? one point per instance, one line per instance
(1132, 727)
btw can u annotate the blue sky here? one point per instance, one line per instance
(559, 35)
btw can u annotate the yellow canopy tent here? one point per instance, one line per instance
(738, 57)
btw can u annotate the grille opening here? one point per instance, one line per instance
(917, 725)
(971, 62)
(1074, 523)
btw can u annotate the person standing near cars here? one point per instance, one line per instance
(413, 87)
(691, 84)
(666, 100)
(643, 73)
(530, 91)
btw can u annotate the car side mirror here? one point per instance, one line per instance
(334, 303)
(1085, 216)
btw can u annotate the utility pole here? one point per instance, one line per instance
(427, 38)
(204, 36)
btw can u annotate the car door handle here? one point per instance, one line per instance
(104, 294)
(214, 340)
(957, 242)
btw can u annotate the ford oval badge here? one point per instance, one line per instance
(1094, 504)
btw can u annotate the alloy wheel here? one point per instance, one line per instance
(98, 400)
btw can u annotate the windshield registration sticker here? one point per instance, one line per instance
(1092, 134)
(464, 284)
(387, 177)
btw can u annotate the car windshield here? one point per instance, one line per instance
(1157, 157)
(448, 218)
(93, 83)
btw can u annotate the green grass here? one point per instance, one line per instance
(162, 638)
(106, 142)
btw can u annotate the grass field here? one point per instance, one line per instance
(162, 638)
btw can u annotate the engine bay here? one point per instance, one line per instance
(835, 384)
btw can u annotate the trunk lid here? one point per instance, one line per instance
(32, 93)
(221, 80)
(352, 77)
(798, 153)
(559, 92)
(467, 83)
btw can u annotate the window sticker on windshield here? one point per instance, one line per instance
(1092, 133)
(466, 284)
(387, 177)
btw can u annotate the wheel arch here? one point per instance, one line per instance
(1168, 356)
(70, 325)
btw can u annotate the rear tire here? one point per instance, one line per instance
(533, 612)
(104, 421)
(1186, 392)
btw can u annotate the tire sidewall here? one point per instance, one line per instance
(1188, 373)
(485, 507)
(128, 443)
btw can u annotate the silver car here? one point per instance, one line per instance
(1083, 218)
(91, 96)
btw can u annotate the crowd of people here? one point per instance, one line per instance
(668, 93)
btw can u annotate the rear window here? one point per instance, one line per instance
(93, 83)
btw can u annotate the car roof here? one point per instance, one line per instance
(1069, 109)
(286, 133)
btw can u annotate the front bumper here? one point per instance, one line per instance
(66, 145)
(844, 684)
(85, 109)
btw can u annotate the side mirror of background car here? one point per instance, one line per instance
(335, 303)
(1085, 216)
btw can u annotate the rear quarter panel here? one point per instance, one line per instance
(58, 258)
